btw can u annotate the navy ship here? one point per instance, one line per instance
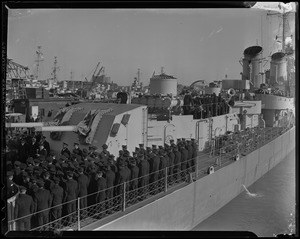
(240, 131)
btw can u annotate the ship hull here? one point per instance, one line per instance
(188, 206)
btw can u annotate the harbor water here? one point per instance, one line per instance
(266, 208)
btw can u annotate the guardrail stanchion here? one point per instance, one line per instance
(78, 213)
(166, 179)
(124, 196)
(220, 159)
(196, 167)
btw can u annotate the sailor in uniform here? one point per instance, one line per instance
(142, 149)
(71, 193)
(110, 177)
(65, 150)
(83, 184)
(24, 206)
(134, 179)
(43, 201)
(42, 151)
(105, 153)
(23, 150)
(77, 150)
(12, 188)
(101, 195)
(92, 152)
(57, 193)
(187, 103)
(124, 149)
(46, 144)
(33, 148)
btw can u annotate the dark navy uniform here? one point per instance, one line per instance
(177, 164)
(162, 166)
(128, 173)
(195, 149)
(104, 154)
(24, 206)
(17, 173)
(57, 193)
(48, 184)
(143, 181)
(92, 188)
(42, 200)
(110, 179)
(134, 180)
(194, 155)
(101, 183)
(101, 195)
(154, 167)
(33, 188)
(92, 152)
(171, 162)
(142, 150)
(12, 188)
(43, 152)
(46, 145)
(83, 183)
(26, 181)
(134, 176)
(121, 177)
(184, 157)
(77, 150)
(33, 148)
(147, 175)
(187, 102)
(23, 151)
(189, 148)
(66, 151)
(71, 187)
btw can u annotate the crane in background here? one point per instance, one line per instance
(94, 77)
(93, 73)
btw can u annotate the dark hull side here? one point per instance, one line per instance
(186, 207)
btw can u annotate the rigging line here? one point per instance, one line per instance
(90, 73)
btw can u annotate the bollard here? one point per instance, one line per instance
(78, 214)
(124, 196)
(166, 179)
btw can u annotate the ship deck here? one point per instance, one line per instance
(205, 160)
(91, 219)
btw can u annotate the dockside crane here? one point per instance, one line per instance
(94, 77)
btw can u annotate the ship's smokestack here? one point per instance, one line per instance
(278, 69)
(251, 65)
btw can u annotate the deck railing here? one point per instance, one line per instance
(122, 196)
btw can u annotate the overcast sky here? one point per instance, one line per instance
(191, 44)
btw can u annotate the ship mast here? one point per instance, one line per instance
(285, 26)
(39, 59)
(55, 68)
(71, 78)
(138, 76)
(283, 30)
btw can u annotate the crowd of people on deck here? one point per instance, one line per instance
(208, 105)
(43, 180)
